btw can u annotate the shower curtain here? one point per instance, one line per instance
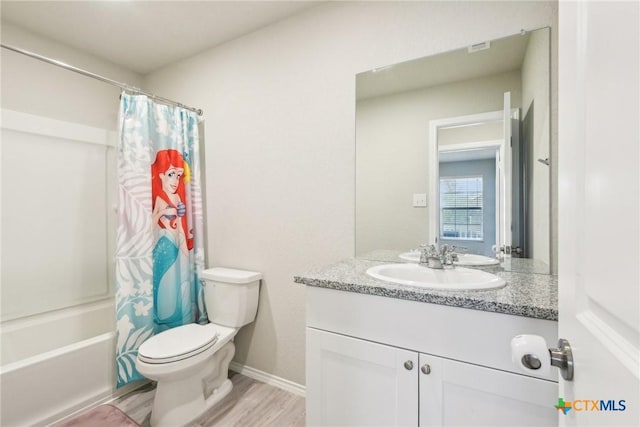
(159, 245)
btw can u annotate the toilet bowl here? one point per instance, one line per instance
(190, 363)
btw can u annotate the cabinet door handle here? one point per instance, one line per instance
(408, 365)
(426, 369)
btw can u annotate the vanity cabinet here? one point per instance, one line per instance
(358, 382)
(373, 360)
(462, 394)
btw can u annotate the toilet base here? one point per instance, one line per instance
(179, 402)
(186, 414)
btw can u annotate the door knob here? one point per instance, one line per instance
(408, 365)
(426, 369)
(562, 358)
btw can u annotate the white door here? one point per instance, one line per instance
(599, 216)
(356, 382)
(454, 393)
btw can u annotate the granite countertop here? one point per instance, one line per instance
(526, 294)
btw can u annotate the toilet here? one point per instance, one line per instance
(190, 363)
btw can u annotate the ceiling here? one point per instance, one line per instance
(144, 36)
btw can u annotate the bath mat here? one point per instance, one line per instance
(101, 416)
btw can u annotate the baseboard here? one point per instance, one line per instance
(270, 379)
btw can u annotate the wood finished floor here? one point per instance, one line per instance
(250, 403)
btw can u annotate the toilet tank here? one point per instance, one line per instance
(230, 295)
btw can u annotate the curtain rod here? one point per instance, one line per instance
(101, 78)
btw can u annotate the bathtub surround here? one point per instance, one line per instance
(47, 381)
(280, 157)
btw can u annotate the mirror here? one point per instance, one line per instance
(454, 148)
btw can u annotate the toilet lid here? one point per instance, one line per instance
(178, 343)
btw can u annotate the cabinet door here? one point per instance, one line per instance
(456, 393)
(357, 382)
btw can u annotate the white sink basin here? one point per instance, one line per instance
(458, 278)
(463, 259)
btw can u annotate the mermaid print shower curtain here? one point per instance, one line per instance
(159, 245)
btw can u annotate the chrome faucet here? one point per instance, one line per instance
(436, 258)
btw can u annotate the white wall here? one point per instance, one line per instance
(280, 111)
(392, 140)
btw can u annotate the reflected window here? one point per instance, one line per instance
(461, 208)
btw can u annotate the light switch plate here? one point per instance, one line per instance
(419, 200)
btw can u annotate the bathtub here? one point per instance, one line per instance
(57, 363)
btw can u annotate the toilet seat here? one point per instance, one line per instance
(178, 343)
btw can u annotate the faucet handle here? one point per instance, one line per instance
(449, 258)
(447, 249)
(426, 252)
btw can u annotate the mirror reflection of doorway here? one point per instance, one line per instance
(468, 200)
